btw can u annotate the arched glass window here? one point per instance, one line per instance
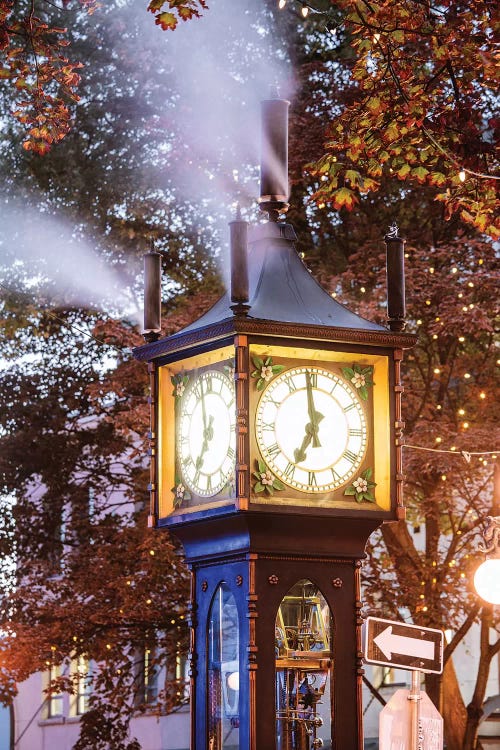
(303, 670)
(223, 672)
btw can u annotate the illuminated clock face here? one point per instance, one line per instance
(311, 429)
(206, 433)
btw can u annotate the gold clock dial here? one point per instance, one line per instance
(206, 433)
(311, 429)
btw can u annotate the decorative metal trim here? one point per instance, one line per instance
(273, 579)
(216, 331)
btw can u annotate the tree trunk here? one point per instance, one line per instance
(453, 709)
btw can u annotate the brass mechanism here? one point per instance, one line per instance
(303, 663)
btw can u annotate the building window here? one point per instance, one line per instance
(54, 695)
(83, 685)
(146, 677)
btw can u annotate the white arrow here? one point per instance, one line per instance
(390, 643)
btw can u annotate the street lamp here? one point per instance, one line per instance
(487, 576)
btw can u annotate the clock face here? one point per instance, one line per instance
(311, 429)
(206, 433)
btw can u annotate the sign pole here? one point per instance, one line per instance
(415, 698)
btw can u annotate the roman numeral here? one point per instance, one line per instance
(311, 479)
(291, 385)
(313, 379)
(209, 483)
(350, 456)
(210, 384)
(230, 453)
(354, 432)
(267, 426)
(349, 407)
(335, 475)
(274, 450)
(290, 470)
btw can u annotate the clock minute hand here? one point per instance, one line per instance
(314, 416)
(208, 434)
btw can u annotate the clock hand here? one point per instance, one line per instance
(310, 436)
(314, 416)
(208, 434)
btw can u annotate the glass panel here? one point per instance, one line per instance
(303, 670)
(223, 672)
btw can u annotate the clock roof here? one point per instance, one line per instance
(284, 300)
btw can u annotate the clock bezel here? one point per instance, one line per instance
(379, 420)
(332, 386)
(167, 453)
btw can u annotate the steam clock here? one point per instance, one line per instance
(276, 452)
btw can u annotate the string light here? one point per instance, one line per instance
(281, 4)
(461, 175)
(304, 10)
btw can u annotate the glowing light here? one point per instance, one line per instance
(427, 302)
(471, 284)
(443, 477)
(465, 308)
(419, 322)
(482, 394)
(148, 601)
(487, 580)
(233, 681)
(435, 336)
(437, 371)
(305, 10)
(376, 37)
(461, 339)
(465, 425)
(362, 290)
(461, 175)
(439, 440)
(453, 448)
(281, 4)
(467, 375)
(460, 295)
(431, 270)
(439, 407)
(454, 269)
(480, 261)
(152, 552)
(461, 412)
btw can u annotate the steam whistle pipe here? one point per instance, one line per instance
(395, 263)
(152, 296)
(238, 232)
(274, 157)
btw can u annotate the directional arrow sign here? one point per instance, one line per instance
(405, 646)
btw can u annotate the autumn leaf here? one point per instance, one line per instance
(344, 198)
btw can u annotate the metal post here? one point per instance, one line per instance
(416, 737)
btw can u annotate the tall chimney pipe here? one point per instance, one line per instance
(152, 295)
(274, 156)
(395, 263)
(238, 231)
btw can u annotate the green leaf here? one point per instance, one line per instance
(363, 392)
(260, 384)
(268, 361)
(359, 497)
(277, 368)
(269, 489)
(278, 485)
(256, 475)
(259, 364)
(350, 490)
(367, 474)
(262, 466)
(348, 372)
(259, 487)
(255, 373)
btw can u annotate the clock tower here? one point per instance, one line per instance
(276, 451)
